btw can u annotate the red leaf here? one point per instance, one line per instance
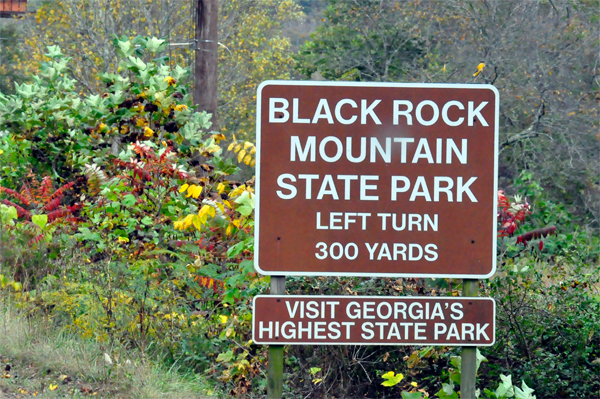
(16, 195)
(52, 205)
(538, 233)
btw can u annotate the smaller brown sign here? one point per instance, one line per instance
(368, 320)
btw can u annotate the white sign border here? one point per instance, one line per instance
(374, 84)
(363, 343)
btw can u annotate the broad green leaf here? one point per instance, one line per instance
(129, 200)
(524, 392)
(246, 200)
(137, 63)
(9, 213)
(505, 389)
(126, 47)
(40, 220)
(448, 388)
(53, 51)
(147, 220)
(153, 45)
(314, 370)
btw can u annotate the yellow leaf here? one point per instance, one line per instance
(227, 203)
(237, 148)
(218, 137)
(230, 146)
(236, 223)
(52, 387)
(183, 188)
(414, 384)
(479, 69)
(221, 207)
(247, 159)
(148, 132)
(187, 222)
(237, 191)
(220, 188)
(223, 319)
(197, 221)
(211, 211)
(197, 191)
(389, 374)
(247, 144)
(241, 155)
(229, 230)
(203, 210)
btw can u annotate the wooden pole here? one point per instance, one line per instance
(207, 45)
(275, 365)
(469, 353)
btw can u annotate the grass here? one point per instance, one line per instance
(38, 359)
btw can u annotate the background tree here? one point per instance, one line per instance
(9, 53)
(363, 40)
(252, 48)
(542, 57)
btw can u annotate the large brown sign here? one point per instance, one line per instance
(376, 179)
(364, 320)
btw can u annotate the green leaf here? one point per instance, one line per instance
(129, 200)
(448, 388)
(147, 220)
(455, 376)
(225, 357)
(480, 358)
(40, 220)
(234, 251)
(126, 47)
(524, 392)
(137, 63)
(8, 214)
(247, 266)
(388, 375)
(391, 379)
(314, 370)
(411, 395)
(53, 51)
(246, 202)
(505, 389)
(155, 45)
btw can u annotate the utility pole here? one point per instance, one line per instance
(205, 71)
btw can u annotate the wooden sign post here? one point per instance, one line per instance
(377, 180)
(468, 358)
(275, 365)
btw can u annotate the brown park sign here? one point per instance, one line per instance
(381, 179)
(364, 320)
